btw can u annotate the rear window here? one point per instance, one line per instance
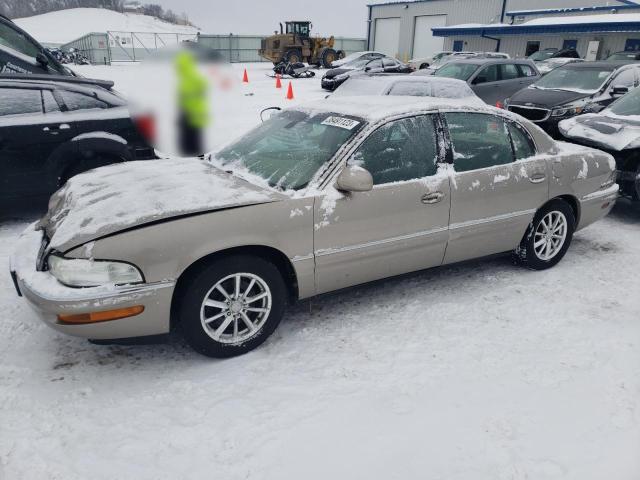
(16, 101)
(9, 37)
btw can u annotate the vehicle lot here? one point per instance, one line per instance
(479, 370)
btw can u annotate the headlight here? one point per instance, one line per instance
(564, 111)
(76, 272)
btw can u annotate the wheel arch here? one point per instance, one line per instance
(273, 255)
(573, 203)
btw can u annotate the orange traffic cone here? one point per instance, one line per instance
(278, 82)
(245, 77)
(290, 92)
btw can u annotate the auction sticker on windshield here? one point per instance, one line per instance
(341, 122)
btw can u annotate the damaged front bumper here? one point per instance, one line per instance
(50, 299)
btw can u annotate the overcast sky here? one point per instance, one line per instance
(345, 18)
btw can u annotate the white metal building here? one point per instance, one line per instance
(417, 29)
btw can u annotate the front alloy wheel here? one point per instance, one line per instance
(232, 305)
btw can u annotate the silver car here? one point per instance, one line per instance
(318, 198)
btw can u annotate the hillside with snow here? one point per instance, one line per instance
(66, 25)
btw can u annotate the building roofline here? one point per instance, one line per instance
(524, 29)
(555, 11)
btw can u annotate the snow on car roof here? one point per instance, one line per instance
(376, 107)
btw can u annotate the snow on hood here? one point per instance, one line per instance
(612, 133)
(130, 194)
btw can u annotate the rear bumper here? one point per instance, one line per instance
(597, 205)
(49, 298)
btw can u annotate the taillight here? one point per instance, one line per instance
(499, 104)
(146, 125)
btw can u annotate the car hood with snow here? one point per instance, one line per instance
(546, 97)
(602, 130)
(119, 197)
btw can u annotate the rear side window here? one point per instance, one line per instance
(626, 78)
(478, 141)
(526, 71)
(387, 62)
(522, 143)
(508, 71)
(487, 74)
(78, 101)
(400, 150)
(16, 101)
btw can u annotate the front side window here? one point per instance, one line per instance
(399, 151)
(374, 64)
(526, 71)
(290, 147)
(16, 101)
(78, 101)
(627, 105)
(626, 78)
(478, 141)
(388, 62)
(487, 74)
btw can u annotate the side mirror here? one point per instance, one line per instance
(619, 90)
(42, 59)
(268, 112)
(367, 69)
(354, 179)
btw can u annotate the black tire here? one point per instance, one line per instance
(526, 253)
(293, 56)
(329, 56)
(636, 184)
(201, 286)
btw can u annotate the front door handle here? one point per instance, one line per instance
(54, 128)
(431, 198)
(538, 178)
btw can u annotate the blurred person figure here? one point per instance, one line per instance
(193, 108)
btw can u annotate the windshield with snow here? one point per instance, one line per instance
(575, 80)
(461, 71)
(290, 147)
(627, 105)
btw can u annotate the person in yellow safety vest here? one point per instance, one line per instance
(192, 104)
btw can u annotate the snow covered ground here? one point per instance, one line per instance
(482, 370)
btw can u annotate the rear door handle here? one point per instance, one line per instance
(431, 198)
(53, 128)
(538, 178)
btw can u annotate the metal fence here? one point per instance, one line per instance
(244, 48)
(118, 46)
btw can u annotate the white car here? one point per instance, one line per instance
(352, 57)
(424, 62)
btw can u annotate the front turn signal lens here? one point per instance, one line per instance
(104, 316)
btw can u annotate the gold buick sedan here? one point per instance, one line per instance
(317, 198)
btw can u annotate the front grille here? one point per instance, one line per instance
(531, 113)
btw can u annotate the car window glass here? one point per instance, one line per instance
(398, 151)
(49, 102)
(526, 71)
(508, 71)
(478, 141)
(626, 78)
(375, 64)
(17, 41)
(387, 62)
(487, 74)
(78, 101)
(522, 144)
(16, 101)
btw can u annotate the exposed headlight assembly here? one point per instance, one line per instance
(564, 111)
(76, 272)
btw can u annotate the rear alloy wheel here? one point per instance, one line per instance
(232, 306)
(548, 236)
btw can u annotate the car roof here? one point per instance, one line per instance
(87, 89)
(597, 65)
(378, 107)
(486, 60)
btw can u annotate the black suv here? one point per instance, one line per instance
(52, 130)
(571, 90)
(21, 53)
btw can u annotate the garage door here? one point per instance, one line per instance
(387, 36)
(424, 43)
